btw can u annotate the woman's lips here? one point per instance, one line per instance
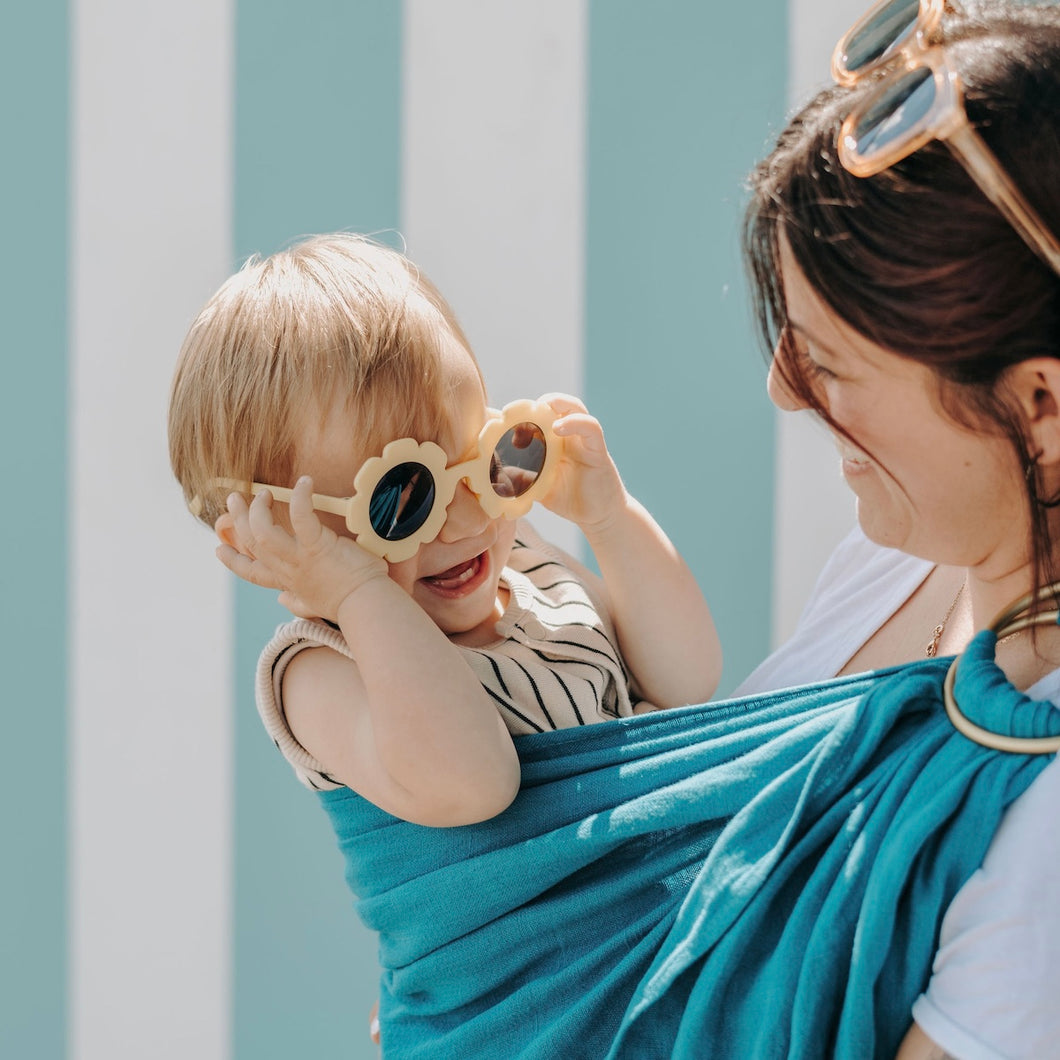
(855, 461)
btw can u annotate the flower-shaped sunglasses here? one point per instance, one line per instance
(400, 498)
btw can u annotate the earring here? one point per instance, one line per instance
(1030, 474)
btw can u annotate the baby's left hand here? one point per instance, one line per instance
(588, 489)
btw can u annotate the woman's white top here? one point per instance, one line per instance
(995, 986)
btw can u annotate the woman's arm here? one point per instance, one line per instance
(916, 1045)
(665, 630)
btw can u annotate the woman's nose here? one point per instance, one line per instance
(778, 388)
(464, 517)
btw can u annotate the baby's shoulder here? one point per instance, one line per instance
(290, 670)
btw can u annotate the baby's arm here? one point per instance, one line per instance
(664, 626)
(407, 725)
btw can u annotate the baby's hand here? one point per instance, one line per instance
(588, 489)
(315, 568)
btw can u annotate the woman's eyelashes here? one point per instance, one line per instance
(818, 370)
(796, 350)
(809, 364)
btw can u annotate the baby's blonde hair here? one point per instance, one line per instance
(333, 314)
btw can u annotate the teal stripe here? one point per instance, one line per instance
(682, 96)
(317, 129)
(33, 306)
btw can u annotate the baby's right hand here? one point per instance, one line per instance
(587, 488)
(315, 568)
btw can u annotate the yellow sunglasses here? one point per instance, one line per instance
(400, 498)
(918, 100)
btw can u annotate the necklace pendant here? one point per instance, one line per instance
(932, 648)
(933, 645)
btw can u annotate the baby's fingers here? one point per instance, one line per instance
(562, 404)
(307, 527)
(267, 535)
(573, 420)
(247, 568)
(258, 533)
(233, 526)
(259, 513)
(584, 427)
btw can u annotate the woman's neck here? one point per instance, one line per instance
(1025, 657)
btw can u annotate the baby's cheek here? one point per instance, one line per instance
(405, 573)
(505, 540)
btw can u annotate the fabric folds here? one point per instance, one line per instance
(761, 877)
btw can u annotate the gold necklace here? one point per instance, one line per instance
(932, 648)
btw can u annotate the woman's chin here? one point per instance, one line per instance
(888, 532)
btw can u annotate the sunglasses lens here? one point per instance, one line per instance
(517, 460)
(401, 501)
(882, 33)
(897, 115)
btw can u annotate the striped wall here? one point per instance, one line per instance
(569, 172)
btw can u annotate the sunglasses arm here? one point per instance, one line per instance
(984, 168)
(321, 501)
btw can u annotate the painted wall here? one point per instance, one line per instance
(35, 426)
(570, 173)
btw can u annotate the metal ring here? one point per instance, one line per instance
(1013, 619)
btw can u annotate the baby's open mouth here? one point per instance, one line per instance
(457, 576)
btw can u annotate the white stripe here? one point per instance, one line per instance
(814, 28)
(151, 617)
(493, 185)
(814, 508)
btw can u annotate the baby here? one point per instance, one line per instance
(329, 419)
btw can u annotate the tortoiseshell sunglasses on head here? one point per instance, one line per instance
(919, 99)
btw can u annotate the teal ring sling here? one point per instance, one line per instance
(757, 877)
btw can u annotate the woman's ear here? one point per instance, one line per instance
(1036, 385)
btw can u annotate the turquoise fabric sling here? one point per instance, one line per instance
(761, 877)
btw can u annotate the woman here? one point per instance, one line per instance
(921, 322)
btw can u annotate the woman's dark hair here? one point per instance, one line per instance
(917, 259)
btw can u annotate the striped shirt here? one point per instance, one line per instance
(554, 665)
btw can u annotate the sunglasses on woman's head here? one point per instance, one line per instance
(400, 498)
(920, 99)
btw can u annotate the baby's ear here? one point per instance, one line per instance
(225, 529)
